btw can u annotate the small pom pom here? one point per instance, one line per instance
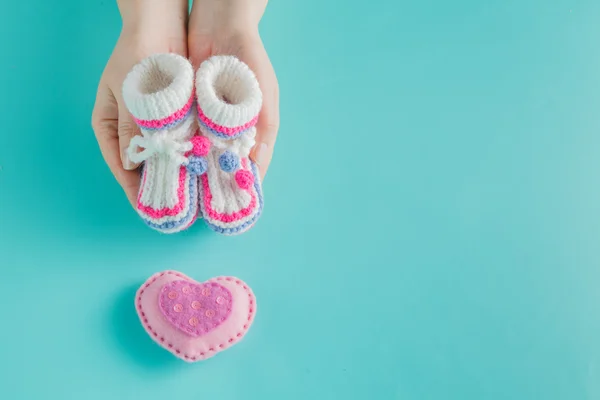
(229, 161)
(244, 179)
(197, 165)
(201, 146)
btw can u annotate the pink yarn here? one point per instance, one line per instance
(223, 217)
(166, 211)
(244, 179)
(159, 123)
(201, 146)
(223, 129)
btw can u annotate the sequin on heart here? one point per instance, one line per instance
(198, 308)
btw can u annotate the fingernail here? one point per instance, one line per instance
(261, 154)
(127, 164)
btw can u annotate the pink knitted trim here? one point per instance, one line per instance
(211, 352)
(159, 123)
(223, 129)
(223, 217)
(166, 211)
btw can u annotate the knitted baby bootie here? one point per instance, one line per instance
(229, 100)
(159, 93)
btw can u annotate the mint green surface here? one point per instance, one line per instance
(432, 219)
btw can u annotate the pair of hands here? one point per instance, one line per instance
(228, 27)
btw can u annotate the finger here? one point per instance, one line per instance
(105, 125)
(268, 119)
(126, 130)
(199, 48)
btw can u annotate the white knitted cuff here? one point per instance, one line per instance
(159, 87)
(228, 93)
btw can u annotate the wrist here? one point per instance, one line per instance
(226, 16)
(140, 16)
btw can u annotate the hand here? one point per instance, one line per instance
(230, 27)
(155, 27)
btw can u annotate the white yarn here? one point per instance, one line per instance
(163, 153)
(158, 198)
(240, 146)
(158, 86)
(227, 91)
(229, 95)
(173, 142)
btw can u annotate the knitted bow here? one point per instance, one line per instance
(158, 143)
(172, 142)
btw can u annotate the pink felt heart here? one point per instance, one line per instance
(193, 320)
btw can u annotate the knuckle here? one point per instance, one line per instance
(102, 128)
(126, 129)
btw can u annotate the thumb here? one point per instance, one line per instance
(268, 120)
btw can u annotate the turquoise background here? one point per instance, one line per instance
(432, 220)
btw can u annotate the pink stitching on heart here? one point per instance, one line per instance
(149, 329)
